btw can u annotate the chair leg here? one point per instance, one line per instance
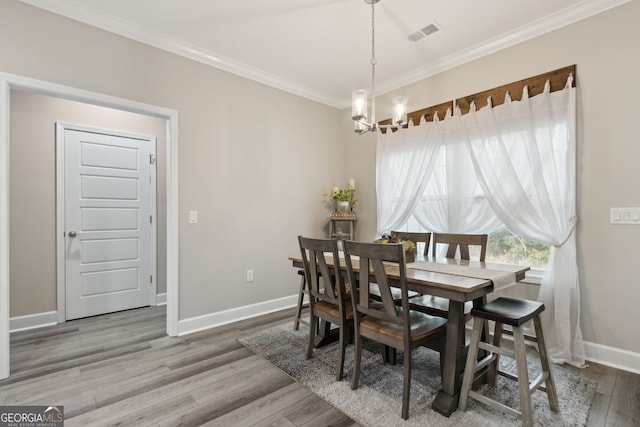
(296, 322)
(406, 392)
(357, 359)
(313, 325)
(523, 376)
(546, 366)
(470, 365)
(343, 345)
(492, 376)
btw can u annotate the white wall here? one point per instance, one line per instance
(604, 49)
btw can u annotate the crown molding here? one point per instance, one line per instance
(80, 13)
(76, 11)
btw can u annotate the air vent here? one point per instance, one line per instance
(423, 32)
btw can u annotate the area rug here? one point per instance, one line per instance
(377, 402)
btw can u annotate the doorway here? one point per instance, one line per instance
(9, 82)
(106, 230)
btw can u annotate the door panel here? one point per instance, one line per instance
(104, 282)
(93, 219)
(108, 208)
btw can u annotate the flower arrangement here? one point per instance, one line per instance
(409, 246)
(343, 195)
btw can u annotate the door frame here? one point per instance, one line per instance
(61, 206)
(10, 82)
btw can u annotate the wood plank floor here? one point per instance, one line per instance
(122, 369)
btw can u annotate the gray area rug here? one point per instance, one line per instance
(377, 401)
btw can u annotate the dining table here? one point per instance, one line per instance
(459, 281)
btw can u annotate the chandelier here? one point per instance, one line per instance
(362, 122)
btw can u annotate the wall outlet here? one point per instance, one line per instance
(249, 275)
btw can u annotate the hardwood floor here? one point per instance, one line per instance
(122, 369)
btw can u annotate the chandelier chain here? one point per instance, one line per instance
(373, 62)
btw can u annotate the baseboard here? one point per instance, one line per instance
(611, 356)
(161, 299)
(33, 321)
(40, 320)
(195, 324)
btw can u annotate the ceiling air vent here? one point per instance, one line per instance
(423, 32)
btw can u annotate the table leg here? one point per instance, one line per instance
(325, 335)
(446, 400)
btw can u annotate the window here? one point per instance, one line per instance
(508, 248)
(503, 247)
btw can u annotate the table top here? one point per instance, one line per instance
(452, 286)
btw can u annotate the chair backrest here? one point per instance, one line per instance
(462, 242)
(325, 282)
(379, 260)
(415, 238)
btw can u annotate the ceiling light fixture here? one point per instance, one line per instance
(359, 97)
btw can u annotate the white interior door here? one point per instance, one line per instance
(109, 225)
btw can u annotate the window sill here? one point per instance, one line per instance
(533, 277)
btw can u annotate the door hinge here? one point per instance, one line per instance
(152, 159)
(151, 279)
(150, 219)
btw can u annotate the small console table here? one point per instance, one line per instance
(342, 227)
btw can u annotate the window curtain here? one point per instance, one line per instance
(514, 165)
(426, 172)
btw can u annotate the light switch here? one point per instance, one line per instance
(625, 216)
(193, 217)
(617, 216)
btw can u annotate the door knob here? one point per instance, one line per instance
(73, 234)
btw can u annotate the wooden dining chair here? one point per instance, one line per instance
(458, 245)
(391, 325)
(415, 237)
(328, 299)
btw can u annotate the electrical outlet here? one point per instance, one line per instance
(249, 275)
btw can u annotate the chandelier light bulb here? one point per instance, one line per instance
(359, 105)
(400, 110)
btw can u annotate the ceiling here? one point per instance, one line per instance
(321, 49)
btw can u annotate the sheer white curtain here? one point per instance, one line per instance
(514, 165)
(426, 172)
(524, 156)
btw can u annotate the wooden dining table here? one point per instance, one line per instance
(463, 281)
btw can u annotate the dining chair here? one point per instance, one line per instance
(393, 326)
(328, 299)
(458, 245)
(415, 237)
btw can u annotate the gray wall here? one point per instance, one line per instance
(32, 191)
